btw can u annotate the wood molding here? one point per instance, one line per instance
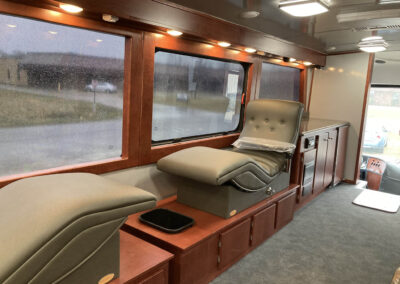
(149, 153)
(361, 130)
(311, 87)
(163, 15)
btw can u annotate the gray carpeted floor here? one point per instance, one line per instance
(329, 241)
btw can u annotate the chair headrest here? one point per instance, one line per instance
(273, 119)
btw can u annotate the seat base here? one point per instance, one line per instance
(225, 200)
(105, 262)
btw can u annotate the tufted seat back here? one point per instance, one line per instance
(273, 119)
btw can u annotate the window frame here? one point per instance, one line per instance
(131, 96)
(239, 127)
(152, 153)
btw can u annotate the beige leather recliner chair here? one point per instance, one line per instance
(64, 228)
(225, 182)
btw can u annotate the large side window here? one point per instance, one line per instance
(195, 96)
(279, 82)
(61, 95)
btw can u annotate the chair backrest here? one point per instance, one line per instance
(273, 119)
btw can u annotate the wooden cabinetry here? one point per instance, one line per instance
(325, 159)
(142, 262)
(213, 244)
(263, 225)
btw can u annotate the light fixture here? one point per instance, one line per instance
(292, 59)
(307, 63)
(110, 18)
(303, 8)
(249, 14)
(372, 44)
(53, 32)
(174, 33)
(250, 50)
(11, 26)
(388, 2)
(224, 44)
(99, 40)
(70, 8)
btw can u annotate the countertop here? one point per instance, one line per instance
(311, 125)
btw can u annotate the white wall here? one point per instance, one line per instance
(338, 94)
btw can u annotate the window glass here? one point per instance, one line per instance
(279, 82)
(60, 95)
(195, 96)
(382, 128)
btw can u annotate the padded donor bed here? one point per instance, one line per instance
(225, 182)
(64, 228)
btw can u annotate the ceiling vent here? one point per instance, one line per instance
(371, 20)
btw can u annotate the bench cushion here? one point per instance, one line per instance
(41, 215)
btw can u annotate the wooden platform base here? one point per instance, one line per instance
(213, 244)
(142, 262)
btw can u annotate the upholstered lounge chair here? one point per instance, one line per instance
(64, 228)
(225, 182)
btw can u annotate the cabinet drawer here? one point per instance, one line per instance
(158, 277)
(263, 225)
(285, 210)
(234, 242)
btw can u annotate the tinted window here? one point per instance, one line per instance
(279, 82)
(60, 95)
(195, 96)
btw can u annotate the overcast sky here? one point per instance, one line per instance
(25, 35)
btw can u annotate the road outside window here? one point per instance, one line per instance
(60, 95)
(195, 96)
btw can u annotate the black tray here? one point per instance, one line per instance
(166, 220)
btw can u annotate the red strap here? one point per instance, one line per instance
(243, 96)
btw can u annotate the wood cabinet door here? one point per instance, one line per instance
(263, 225)
(330, 158)
(285, 210)
(320, 163)
(197, 263)
(340, 154)
(234, 243)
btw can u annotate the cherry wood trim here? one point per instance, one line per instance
(311, 87)
(97, 167)
(164, 15)
(152, 41)
(133, 64)
(363, 118)
(57, 17)
(303, 86)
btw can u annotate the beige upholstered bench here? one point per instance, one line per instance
(64, 228)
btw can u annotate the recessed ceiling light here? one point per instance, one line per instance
(224, 44)
(71, 8)
(292, 59)
(307, 63)
(249, 14)
(99, 40)
(303, 8)
(110, 18)
(249, 50)
(11, 26)
(53, 32)
(174, 33)
(372, 44)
